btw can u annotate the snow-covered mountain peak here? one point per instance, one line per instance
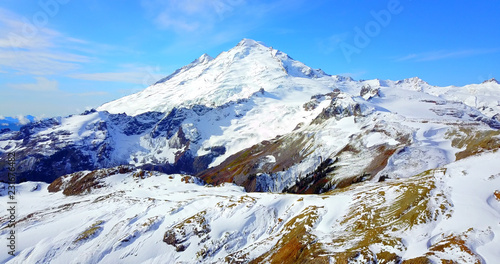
(203, 59)
(395, 163)
(413, 80)
(342, 78)
(492, 80)
(233, 75)
(414, 83)
(250, 43)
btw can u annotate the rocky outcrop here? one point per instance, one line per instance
(342, 105)
(367, 92)
(84, 182)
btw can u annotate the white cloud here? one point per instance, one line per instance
(98, 93)
(191, 15)
(446, 54)
(142, 75)
(28, 49)
(332, 43)
(126, 77)
(42, 85)
(22, 120)
(37, 62)
(2, 117)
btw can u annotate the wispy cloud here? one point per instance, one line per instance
(42, 84)
(190, 15)
(22, 120)
(446, 54)
(41, 51)
(332, 43)
(98, 93)
(126, 77)
(214, 22)
(27, 49)
(38, 62)
(132, 74)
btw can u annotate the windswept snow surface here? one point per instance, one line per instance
(133, 214)
(473, 211)
(137, 212)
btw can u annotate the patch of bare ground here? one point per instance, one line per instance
(83, 182)
(377, 212)
(242, 167)
(90, 232)
(297, 245)
(473, 141)
(179, 234)
(418, 260)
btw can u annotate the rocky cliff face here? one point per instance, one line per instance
(54, 147)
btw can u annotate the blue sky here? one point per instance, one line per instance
(60, 57)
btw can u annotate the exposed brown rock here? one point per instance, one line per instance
(83, 182)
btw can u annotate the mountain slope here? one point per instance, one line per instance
(450, 213)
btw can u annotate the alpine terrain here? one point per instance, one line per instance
(254, 157)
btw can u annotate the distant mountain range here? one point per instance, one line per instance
(14, 123)
(180, 172)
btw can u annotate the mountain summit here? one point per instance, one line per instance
(492, 80)
(236, 74)
(251, 43)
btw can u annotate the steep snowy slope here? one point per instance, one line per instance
(132, 216)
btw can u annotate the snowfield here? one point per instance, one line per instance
(133, 214)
